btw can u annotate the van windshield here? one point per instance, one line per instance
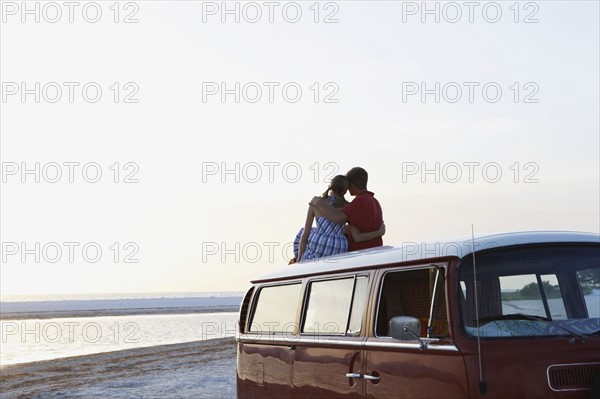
(531, 291)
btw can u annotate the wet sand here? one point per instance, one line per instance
(203, 369)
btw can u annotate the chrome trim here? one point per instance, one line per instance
(409, 345)
(433, 302)
(295, 340)
(566, 365)
(371, 378)
(352, 305)
(335, 341)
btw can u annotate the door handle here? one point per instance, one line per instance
(371, 378)
(353, 375)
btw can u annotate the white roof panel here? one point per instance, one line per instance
(411, 251)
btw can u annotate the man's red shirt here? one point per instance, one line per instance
(365, 213)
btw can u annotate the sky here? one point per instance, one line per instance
(173, 146)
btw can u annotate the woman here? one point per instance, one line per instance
(328, 238)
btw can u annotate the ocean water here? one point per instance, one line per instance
(48, 337)
(556, 307)
(103, 302)
(43, 339)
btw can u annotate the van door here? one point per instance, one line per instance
(266, 352)
(426, 363)
(328, 359)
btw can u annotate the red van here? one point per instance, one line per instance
(504, 316)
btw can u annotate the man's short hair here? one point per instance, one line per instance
(358, 176)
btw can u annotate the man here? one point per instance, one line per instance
(364, 211)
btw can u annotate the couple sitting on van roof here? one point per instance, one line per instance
(332, 211)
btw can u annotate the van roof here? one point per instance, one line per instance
(413, 251)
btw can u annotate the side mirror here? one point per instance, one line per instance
(405, 328)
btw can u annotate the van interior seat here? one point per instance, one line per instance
(403, 298)
(409, 294)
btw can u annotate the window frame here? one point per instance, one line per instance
(256, 299)
(306, 300)
(442, 269)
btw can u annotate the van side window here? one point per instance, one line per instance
(244, 310)
(276, 308)
(335, 306)
(411, 293)
(359, 303)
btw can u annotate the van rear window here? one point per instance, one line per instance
(532, 291)
(276, 309)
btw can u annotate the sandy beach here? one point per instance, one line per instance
(202, 369)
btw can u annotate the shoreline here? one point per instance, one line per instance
(116, 312)
(198, 369)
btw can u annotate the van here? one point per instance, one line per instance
(512, 315)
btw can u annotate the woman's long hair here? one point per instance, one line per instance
(338, 186)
